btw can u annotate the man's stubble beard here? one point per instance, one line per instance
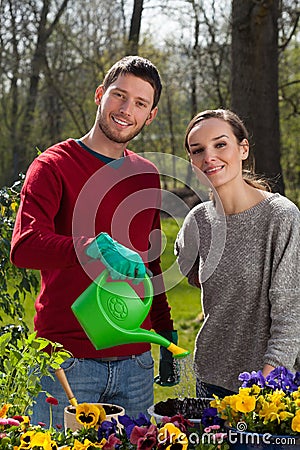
(114, 136)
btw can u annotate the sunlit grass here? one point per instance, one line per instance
(185, 303)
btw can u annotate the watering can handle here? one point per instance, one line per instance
(146, 282)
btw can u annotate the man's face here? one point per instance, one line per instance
(125, 108)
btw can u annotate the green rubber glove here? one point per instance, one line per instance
(169, 374)
(120, 261)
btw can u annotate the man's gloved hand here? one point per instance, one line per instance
(168, 366)
(120, 261)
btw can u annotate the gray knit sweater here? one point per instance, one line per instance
(248, 265)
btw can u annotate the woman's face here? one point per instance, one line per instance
(215, 151)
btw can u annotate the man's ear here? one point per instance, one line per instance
(98, 94)
(244, 149)
(151, 116)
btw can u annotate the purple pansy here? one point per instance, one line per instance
(251, 378)
(281, 378)
(107, 428)
(129, 422)
(210, 417)
(297, 379)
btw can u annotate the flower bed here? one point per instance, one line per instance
(263, 405)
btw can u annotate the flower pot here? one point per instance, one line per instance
(246, 440)
(189, 407)
(112, 411)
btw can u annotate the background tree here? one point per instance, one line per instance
(79, 41)
(135, 27)
(254, 75)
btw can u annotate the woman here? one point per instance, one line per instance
(242, 250)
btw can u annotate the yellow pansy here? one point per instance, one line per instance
(87, 414)
(102, 413)
(296, 394)
(297, 402)
(296, 422)
(284, 415)
(244, 391)
(276, 397)
(245, 403)
(231, 401)
(26, 439)
(217, 403)
(88, 444)
(79, 446)
(25, 423)
(255, 390)
(269, 412)
(43, 440)
(169, 433)
(220, 405)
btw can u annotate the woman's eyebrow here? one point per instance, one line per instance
(219, 137)
(196, 144)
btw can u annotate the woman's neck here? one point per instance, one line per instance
(237, 201)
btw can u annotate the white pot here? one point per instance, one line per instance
(70, 416)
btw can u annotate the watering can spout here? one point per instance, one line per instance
(111, 313)
(178, 352)
(141, 335)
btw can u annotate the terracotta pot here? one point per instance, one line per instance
(112, 411)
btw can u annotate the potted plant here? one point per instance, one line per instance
(266, 411)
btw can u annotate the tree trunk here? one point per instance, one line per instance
(194, 103)
(254, 75)
(135, 27)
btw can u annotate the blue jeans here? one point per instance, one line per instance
(128, 383)
(205, 390)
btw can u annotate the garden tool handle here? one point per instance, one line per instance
(60, 373)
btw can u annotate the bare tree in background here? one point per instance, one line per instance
(39, 18)
(135, 27)
(254, 74)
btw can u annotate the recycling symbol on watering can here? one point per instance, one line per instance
(117, 308)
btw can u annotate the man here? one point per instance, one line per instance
(86, 203)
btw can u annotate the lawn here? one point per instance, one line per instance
(185, 303)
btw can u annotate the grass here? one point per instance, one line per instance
(185, 303)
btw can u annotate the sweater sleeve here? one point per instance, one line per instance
(35, 242)
(284, 294)
(187, 249)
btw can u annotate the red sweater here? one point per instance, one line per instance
(70, 196)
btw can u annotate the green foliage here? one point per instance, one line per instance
(15, 283)
(23, 362)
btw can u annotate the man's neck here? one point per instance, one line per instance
(101, 144)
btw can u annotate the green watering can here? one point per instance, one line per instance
(111, 313)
